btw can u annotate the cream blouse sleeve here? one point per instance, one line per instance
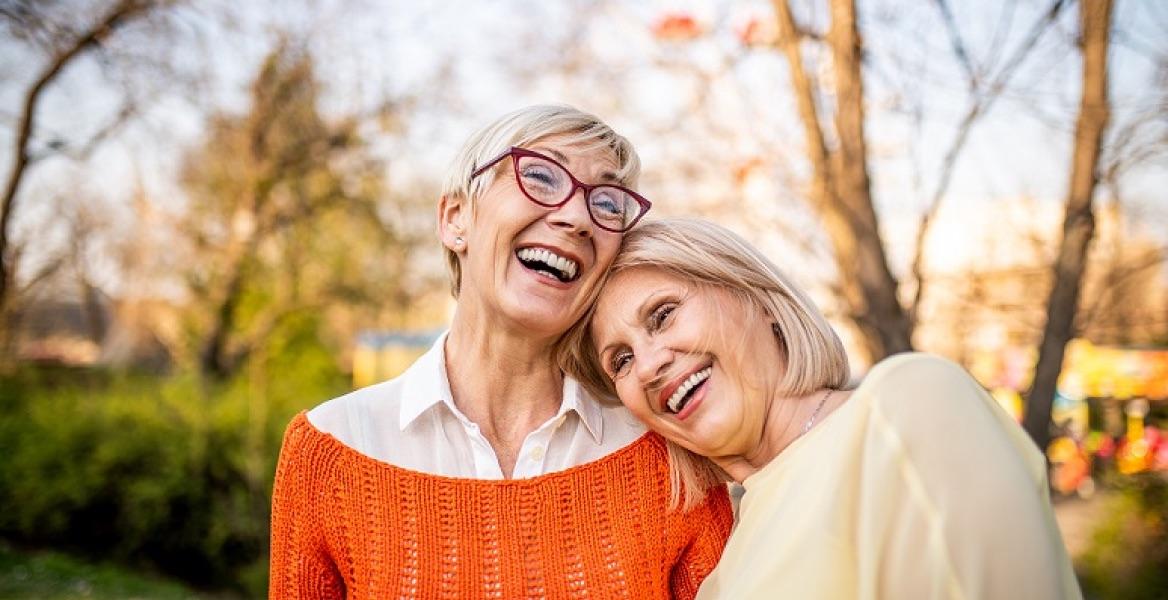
(954, 494)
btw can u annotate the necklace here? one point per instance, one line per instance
(811, 421)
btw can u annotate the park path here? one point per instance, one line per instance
(1077, 519)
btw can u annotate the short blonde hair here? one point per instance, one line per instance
(707, 255)
(520, 128)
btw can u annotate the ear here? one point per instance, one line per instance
(453, 218)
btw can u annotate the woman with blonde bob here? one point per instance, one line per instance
(483, 471)
(915, 484)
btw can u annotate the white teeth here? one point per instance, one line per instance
(566, 266)
(690, 383)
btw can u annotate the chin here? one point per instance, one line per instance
(538, 321)
(543, 314)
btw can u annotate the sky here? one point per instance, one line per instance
(460, 63)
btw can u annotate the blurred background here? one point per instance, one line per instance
(217, 214)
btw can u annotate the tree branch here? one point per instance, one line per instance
(118, 15)
(957, 43)
(980, 103)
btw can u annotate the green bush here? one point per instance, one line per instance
(169, 473)
(53, 576)
(1128, 556)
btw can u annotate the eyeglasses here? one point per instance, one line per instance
(549, 184)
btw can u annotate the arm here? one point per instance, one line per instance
(954, 502)
(708, 525)
(300, 564)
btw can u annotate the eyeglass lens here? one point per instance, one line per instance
(548, 183)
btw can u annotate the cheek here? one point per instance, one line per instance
(607, 247)
(509, 214)
(630, 396)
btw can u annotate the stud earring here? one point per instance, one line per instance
(458, 241)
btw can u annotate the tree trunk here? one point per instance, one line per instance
(886, 326)
(841, 191)
(215, 360)
(1078, 223)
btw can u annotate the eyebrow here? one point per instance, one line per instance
(607, 176)
(556, 154)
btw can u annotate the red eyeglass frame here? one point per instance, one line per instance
(514, 152)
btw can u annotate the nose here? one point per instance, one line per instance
(573, 215)
(653, 362)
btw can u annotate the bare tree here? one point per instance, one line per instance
(841, 189)
(984, 90)
(72, 46)
(1079, 220)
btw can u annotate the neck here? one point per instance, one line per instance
(504, 380)
(785, 420)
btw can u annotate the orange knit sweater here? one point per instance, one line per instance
(347, 525)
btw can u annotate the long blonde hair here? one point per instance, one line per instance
(707, 255)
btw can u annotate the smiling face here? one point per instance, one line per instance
(535, 267)
(697, 364)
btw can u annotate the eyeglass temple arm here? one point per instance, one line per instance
(490, 163)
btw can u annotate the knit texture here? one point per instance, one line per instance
(346, 525)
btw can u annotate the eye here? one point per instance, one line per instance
(540, 176)
(606, 203)
(659, 316)
(618, 363)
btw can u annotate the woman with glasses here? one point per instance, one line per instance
(483, 471)
(915, 484)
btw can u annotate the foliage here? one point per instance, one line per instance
(285, 217)
(1128, 557)
(54, 576)
(172, 473)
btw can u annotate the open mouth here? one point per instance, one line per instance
(687, 390)
(548, 264)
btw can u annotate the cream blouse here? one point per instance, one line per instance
(919, 486)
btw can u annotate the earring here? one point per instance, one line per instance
(458, 241)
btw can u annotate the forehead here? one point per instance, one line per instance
(576, 154)
(625, 293)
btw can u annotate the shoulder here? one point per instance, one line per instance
(921, 396)
(916, 370)
(379, 407)
(343, 416)
(306, 455)
(931, 407)
(920, 384)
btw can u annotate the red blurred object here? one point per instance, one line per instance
(1154, 436)
(743, 170)
(677, 27)
(1105, 447)
(758, 32)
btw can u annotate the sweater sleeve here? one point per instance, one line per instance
(955, 501)
(708, 526)
(301, 566)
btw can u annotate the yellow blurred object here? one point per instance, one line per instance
(1010, 400)
(1133, 457)
(1061, 449)
(384, 355)
(1104, 371)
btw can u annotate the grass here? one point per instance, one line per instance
(54, 576)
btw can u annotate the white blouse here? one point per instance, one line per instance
(411, 421)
